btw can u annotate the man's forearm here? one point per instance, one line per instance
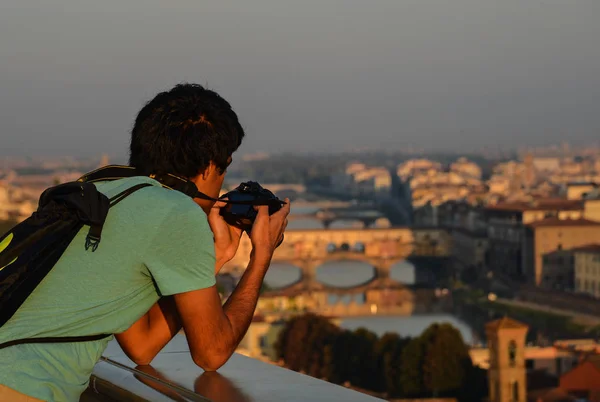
(148, 335)
(240, 306)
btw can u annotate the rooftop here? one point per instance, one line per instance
(590, 248)
(504, 323)
(556, 222)
(539, 205)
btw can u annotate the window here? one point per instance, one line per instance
(515, 391)
(559, 247)
(497, 390)
(512, 353)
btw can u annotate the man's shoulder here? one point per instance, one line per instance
(153, 197)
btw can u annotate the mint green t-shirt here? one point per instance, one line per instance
(155, 242)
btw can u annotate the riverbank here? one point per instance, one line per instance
(545, 324)
(584, 320)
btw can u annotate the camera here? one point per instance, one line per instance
(240, 211)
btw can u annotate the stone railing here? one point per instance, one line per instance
(173, 376)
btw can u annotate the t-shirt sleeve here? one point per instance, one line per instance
(181, 256)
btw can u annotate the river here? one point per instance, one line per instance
(348, 273)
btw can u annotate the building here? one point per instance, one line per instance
(546, 164)
(507, 375)
(416, 167)
(578, 191)
(551, 360)
(586, 261)
(558, 270)
(506, 224)
(259, 341)
(544, 238)
(470, 249)
(583, 381)
(466, 168)
(359, 179)
(373, 180)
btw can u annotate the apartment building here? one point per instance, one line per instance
(543, 239)
(586, 261)
(506, 223)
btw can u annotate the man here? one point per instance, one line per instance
(154, 272)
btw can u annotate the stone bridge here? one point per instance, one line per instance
(329, 215)
(380, 248)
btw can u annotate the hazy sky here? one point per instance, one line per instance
(304, 75)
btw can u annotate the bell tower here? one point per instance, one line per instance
(507, 373)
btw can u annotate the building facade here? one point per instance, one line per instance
(543, 239)
(506, 223)
(587, 269)
(470, 249)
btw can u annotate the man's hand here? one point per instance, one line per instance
(227, 237)
(267, 231)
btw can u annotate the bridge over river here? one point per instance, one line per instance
(380, 248)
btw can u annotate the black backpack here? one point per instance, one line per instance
(30, 249)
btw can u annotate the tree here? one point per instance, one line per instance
(323, 335)
(436, 364)
(411, 369)
(363, 359)
(389, 359)
(302, 342)
(446, 362)
(338, 358)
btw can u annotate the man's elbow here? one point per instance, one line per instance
(211, 361)
(142, 360)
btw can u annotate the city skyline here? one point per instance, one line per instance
(303, 77)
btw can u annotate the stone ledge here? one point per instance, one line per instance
(173, 376)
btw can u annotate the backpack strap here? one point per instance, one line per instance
(56, 339)
(95, 233)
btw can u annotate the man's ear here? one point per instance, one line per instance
(211, 170)
(206, 173)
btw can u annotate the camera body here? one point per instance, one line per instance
(240, 211)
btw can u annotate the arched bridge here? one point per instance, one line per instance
(380, 248)
(329, 215)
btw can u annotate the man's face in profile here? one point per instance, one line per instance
(211, 181)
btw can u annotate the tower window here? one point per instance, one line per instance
(515, 391)
(512, 353)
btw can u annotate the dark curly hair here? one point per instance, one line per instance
(181, 131)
